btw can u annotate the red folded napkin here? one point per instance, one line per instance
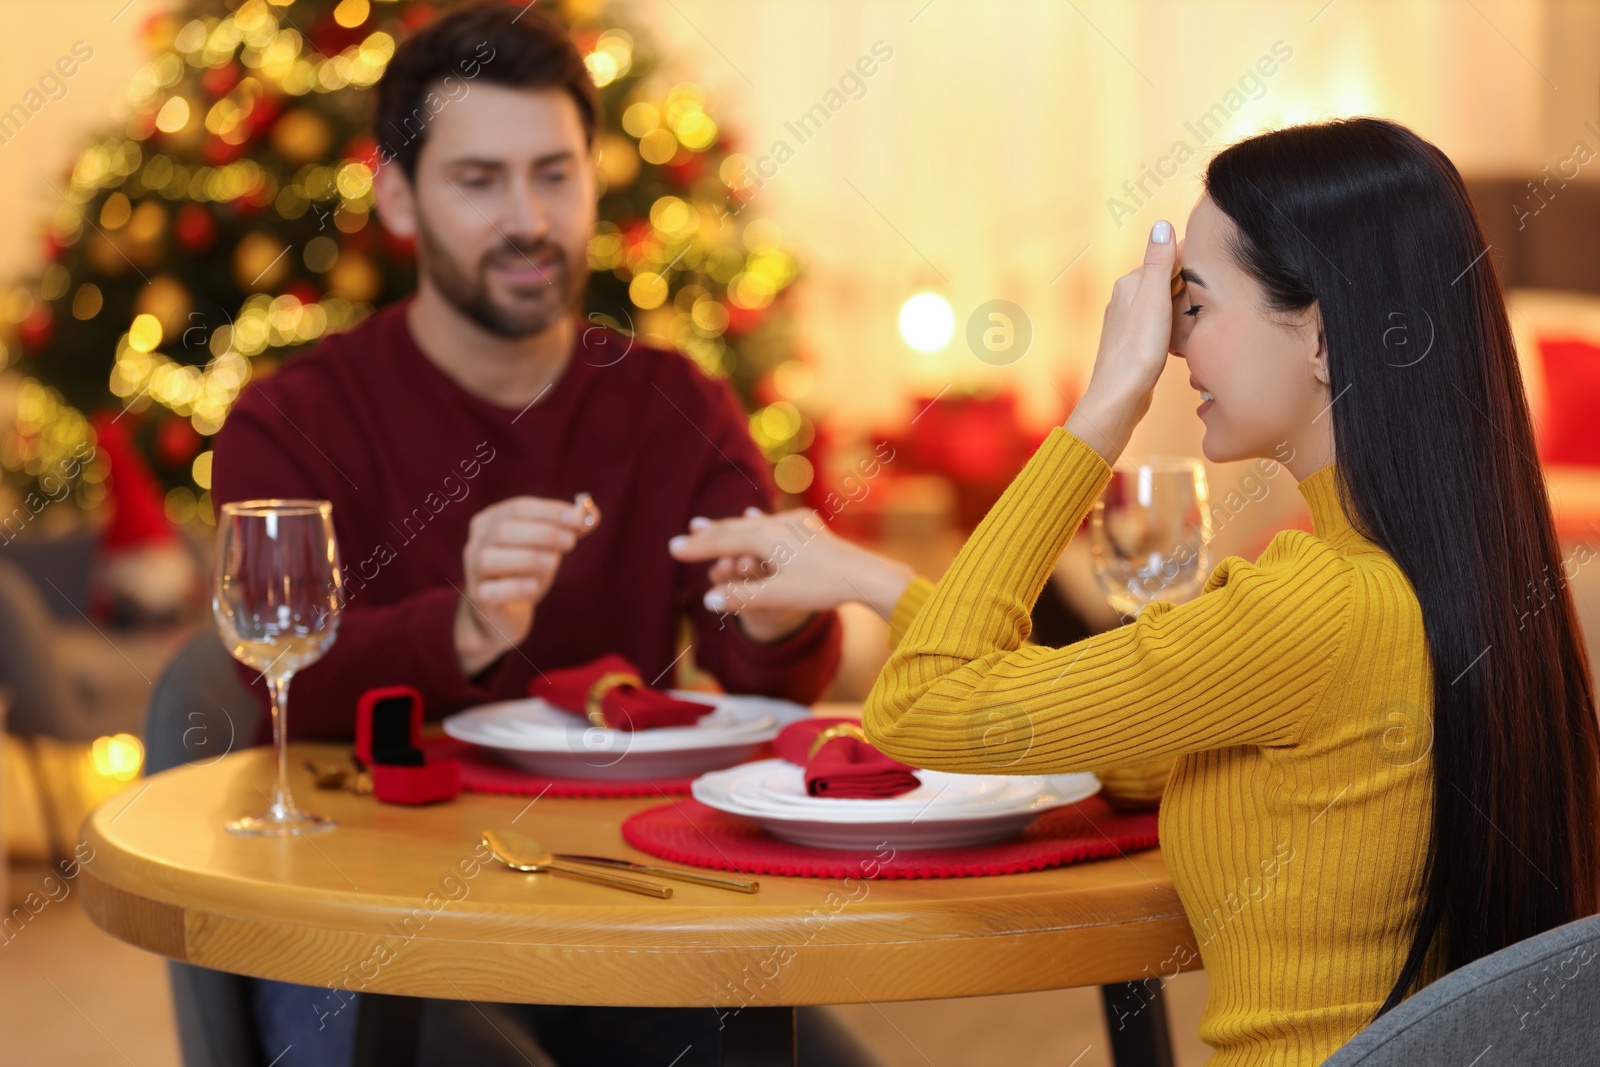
(844, 767)
(625, 702)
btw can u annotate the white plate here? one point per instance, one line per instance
(547, 740)
(824, 825)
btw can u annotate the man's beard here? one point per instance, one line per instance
(467, 290)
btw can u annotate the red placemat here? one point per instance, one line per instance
(687, 831)
(483, 772)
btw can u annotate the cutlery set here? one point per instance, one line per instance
(523, 853)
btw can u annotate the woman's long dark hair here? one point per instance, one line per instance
(1436, 463)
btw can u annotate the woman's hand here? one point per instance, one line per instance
(1135, 337)
(787, 563)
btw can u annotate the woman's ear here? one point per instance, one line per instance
(1319, 355)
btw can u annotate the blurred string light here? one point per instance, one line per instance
(927, 322)
(119, 756)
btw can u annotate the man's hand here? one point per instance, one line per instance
(513, 551)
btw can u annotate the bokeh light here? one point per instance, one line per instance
(927, 322)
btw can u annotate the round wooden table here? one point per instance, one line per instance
(394, 901)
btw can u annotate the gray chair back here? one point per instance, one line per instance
(1537, 1001)
(43, 701)
(201, 711)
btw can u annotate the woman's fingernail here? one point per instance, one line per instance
(698, 521)
(676, 544)
(753, 511)
(1161, 232)
(715, 601)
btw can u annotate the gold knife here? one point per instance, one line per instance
(739, 885)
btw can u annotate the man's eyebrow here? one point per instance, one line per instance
(562, 156)
(1192, 278)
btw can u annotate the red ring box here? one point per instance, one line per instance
(389, 742)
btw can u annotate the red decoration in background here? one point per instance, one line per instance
(416, 15)
(302, 291)
(330, 38)
(194, 227)
(742, 320)
(363, 149)
(218, 80)
(686, 167)
(38, 328)
(218, 152)
(176, 441)
(138, 516)
(976, 441)
(143, 125)
(1568, 432)
(265, 112)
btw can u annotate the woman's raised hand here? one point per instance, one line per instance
(1135, 337)
(788, 562)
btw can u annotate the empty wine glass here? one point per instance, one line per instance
(278, 593)
(1150, 534)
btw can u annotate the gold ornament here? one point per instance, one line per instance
(355, 277)
(260, 262)
(302, 136)
(168, 300)
(619, 162)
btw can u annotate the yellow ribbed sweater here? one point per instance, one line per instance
(1295, 694)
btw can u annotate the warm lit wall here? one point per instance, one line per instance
(36, 34)
(980, 159)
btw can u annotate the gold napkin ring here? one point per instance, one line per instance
(603, 685)
(838, 729)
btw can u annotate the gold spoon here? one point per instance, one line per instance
(523, 853)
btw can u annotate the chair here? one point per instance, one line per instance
(1537, 1001)
(200, 710)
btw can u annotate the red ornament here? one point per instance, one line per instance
(686, 167)
(417, 15)
(218, 152)
(636, 231)
(266, 109)
(742, 320)
(218, 80)
(38, 328)
(194, 227)
(330, 38)
(176, 441)
(143, 125)
(302, 291)
(363, 149)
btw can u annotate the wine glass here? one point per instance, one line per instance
(1150, 534)
(278, 594)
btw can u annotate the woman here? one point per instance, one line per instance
(1386, 753)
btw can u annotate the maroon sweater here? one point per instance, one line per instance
(408, 457)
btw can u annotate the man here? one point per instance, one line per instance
(453, 432)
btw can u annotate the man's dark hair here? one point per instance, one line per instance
(490, 41)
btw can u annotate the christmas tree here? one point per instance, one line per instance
(229, 224)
